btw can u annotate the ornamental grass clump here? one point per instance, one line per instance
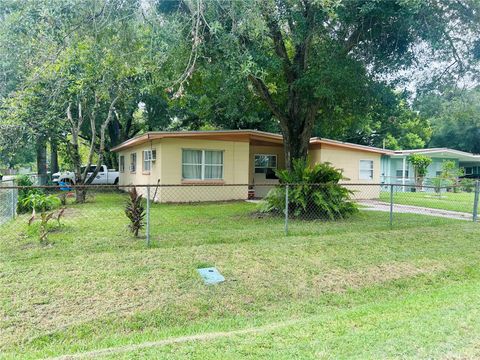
(135, 211)
(314, 192)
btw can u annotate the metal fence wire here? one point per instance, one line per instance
(226, 213)
(8, 201)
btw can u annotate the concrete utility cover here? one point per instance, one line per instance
(211, 275)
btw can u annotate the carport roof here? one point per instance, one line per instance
(440, 153)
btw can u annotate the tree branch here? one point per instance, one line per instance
(263, 92)
(279, 45)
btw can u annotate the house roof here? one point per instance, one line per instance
(253, 136)
(320, 141)
(439, 153)
(266, 138)
(228, 135)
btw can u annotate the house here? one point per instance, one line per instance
(234, 159)
(397, 170)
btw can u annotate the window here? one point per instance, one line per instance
(400, 175)
(121, 162)
(133, 162)
(202, 164)
(468, 170)
(91, 169)
(366, 169)
(147, 160)
(266, 164)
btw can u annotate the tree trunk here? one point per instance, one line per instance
(80, 195)
(41, 149)
(296, 141)
(53, 156)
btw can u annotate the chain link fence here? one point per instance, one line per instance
(8, 201)
(211, 213)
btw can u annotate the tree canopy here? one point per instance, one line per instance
(89, 74)
(313, 62)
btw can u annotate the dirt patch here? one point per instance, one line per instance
(341, 280)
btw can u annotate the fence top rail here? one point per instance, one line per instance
(185, 185)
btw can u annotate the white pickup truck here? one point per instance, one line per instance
(105, 176)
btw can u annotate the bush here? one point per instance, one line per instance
(314, 193)
(43, 203)
(22, 205)
(467, 185)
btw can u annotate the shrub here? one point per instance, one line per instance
(420, 165)
(135, 211)
(467, 185)
(314, 192)
(43, 203)
(22, 205)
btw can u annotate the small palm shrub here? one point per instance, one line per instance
(314, 193)
(44, 204)
(135, 211)
(25, 206)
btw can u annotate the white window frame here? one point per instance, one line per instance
(265, 167)
(121, 163)
(133, 163)
(147, 158)
(372, 169)
(203, 164)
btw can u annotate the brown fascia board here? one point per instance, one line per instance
(320, 141)
(228, 135)
(240, 135)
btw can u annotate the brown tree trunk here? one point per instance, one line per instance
(41, 149)
(53, 156)
(80, 195)
(296, 141)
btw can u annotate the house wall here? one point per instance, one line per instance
(139, 177)
(238, 169)
(396, 164)
(168, 170)
(348, 160)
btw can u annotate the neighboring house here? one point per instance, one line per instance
(234, 159)
(397, 170)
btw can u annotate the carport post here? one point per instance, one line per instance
(475, 201)
(391, 205)
(148, 215)
(286, 210)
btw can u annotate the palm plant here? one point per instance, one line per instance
(314, 192)
(135, 211)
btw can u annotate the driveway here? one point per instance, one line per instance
(376, 205)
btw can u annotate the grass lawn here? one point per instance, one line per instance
(348, 289)
(462, 202)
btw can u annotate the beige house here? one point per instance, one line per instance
(221, 165)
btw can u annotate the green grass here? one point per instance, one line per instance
(348, 289)
(462, 202)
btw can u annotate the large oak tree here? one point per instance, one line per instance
(302, 58)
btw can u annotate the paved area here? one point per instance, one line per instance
(376, 205)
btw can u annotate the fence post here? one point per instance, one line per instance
(148, 215)
(286, 210)
(475, 201)
(391, 206)
(14, 207)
